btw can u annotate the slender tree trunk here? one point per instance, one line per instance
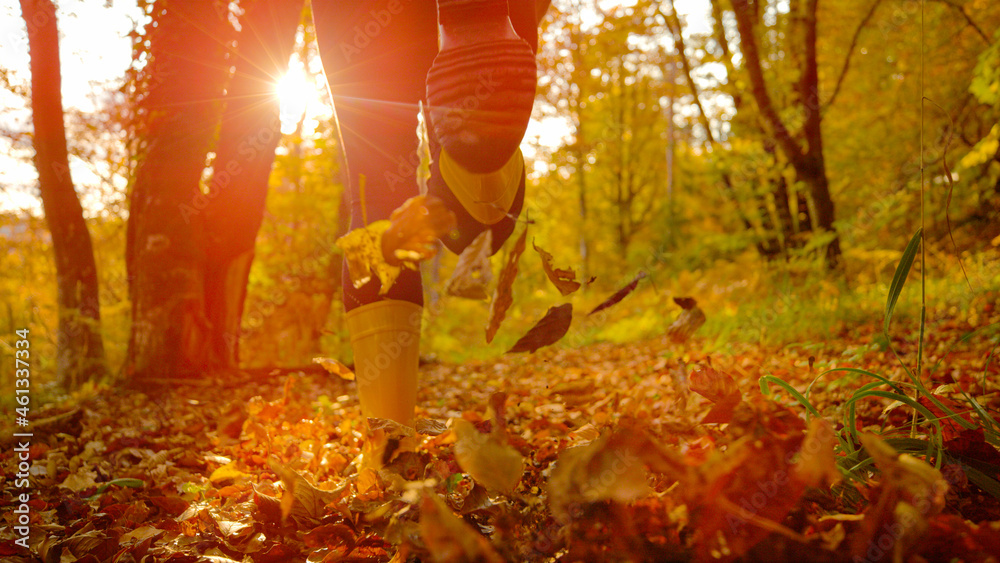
(80, 355)
(251, 130)
(165, 246)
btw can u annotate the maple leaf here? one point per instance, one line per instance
(503, 294)
(718, 387)
(473, 272)
(620, 294)
(548, 330)
(563, 279)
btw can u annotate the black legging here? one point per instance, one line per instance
(376, 54)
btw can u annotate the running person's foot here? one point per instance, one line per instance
(481, 86)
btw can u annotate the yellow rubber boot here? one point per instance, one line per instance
(385, 336)
(487, 197)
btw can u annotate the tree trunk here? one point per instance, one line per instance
(251, 130)
(165, 245)
(80, 355)
(807, 161)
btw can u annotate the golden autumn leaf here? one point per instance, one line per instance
(563, 279)
(502, 295)
(383, 248)
(473, 273)
(334, 367)
(362, 250)
(486, 457)
(817, 464)
(416, 226)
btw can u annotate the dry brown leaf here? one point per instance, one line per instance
(609, 468)
(487, 457)
(503, 295)
(473, 272)
(690, 320)
(620, 294)
(552, 327)
(448, 538)
(563, 279)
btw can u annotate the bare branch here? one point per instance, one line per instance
(850, 53)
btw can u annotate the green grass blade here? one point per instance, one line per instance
(899, 279)
(765, 388)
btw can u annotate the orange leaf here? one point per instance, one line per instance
(718, 387)
(563, 279)
(502, 296)
(335, 368)
(449, 538)
(548, 330)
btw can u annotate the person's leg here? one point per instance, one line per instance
(481, 89)
(376, 55)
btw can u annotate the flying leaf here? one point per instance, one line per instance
(502, 295)
(686, 303)
(609, 468)
(548, 330)
(490, 461)
(449, 538)
(563, 279)
(362, 250)
(416, 227)
(334, 367)
(620, 294)
(473, 272)
(690, 320)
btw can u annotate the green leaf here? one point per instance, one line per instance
(899, 279)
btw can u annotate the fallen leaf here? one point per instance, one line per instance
(473, 272)
(548, 330)
(503, 294)
(486, 457)
(334, 367)
(620, 294)
(718, 387)
(563, 279)
(817, 465)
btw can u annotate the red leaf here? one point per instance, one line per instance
(548, 330)
(502, 296)
(620, 294)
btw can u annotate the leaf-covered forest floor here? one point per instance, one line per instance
(663, 455)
